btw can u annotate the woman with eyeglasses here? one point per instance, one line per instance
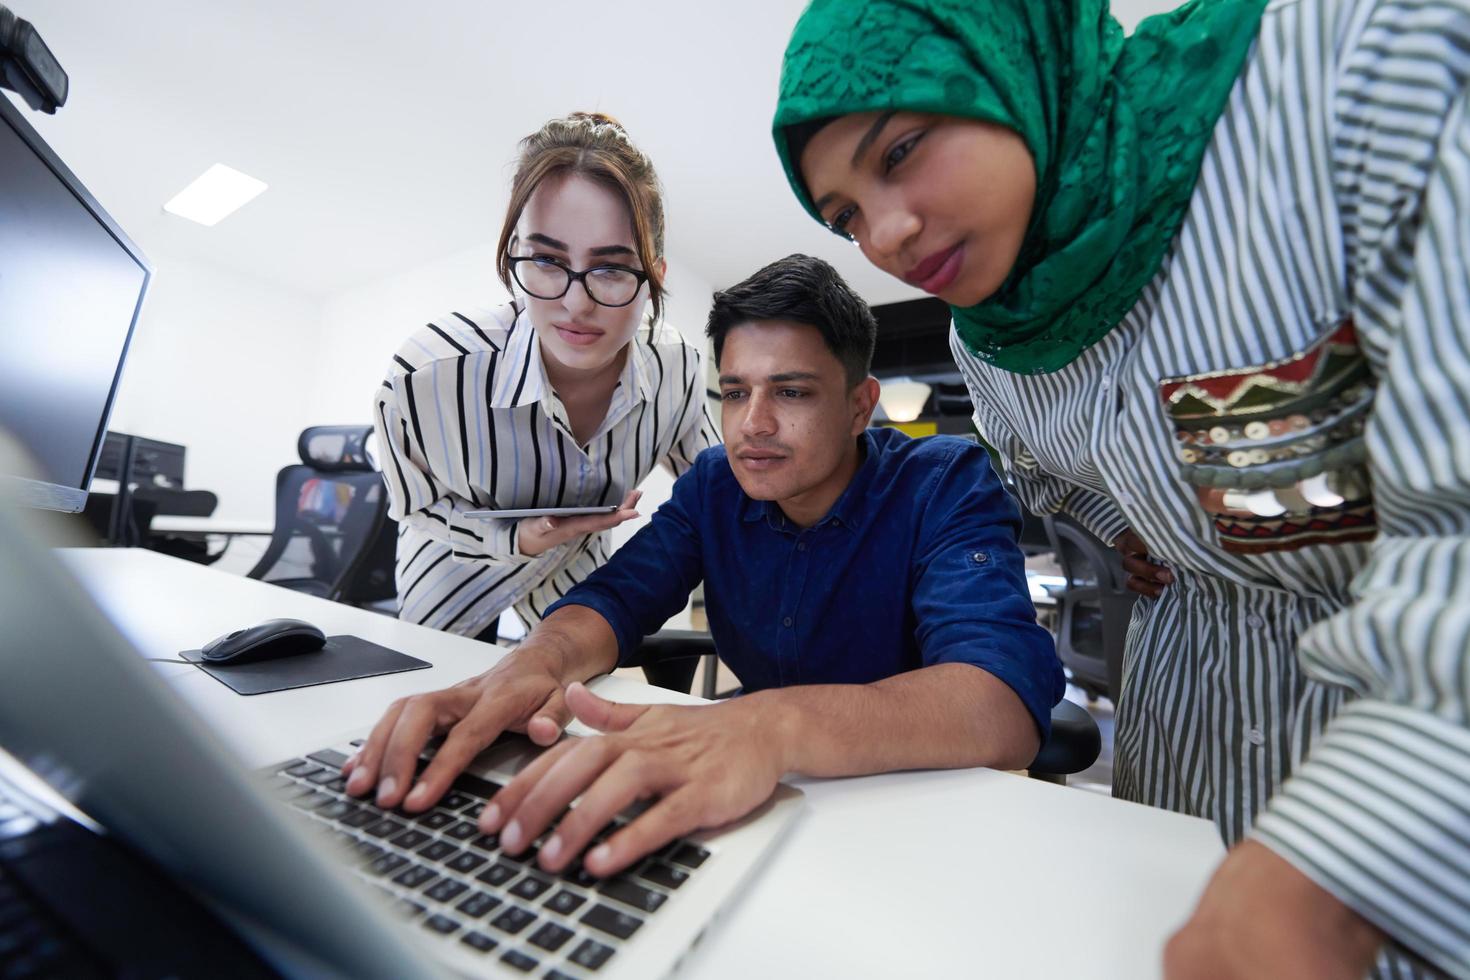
(1209, 293)
(564, 397)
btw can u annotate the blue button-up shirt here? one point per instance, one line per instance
(915, 564)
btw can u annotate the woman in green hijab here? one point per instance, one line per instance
(1209, 292)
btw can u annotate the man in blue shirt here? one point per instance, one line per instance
(865, 588)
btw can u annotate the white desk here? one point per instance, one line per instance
(963, 873)
(170, 524)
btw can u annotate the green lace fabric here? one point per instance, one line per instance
(1117, 128)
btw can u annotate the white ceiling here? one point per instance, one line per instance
(386, 132)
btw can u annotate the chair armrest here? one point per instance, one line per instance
(1074, 743)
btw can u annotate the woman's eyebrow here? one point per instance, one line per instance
(869, 138)
(547, 240)
(611, 250)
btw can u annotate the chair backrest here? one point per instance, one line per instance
(1094, 609)
(330, 508)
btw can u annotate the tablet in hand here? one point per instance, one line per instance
(541, 512)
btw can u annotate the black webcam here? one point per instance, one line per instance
(28, 67)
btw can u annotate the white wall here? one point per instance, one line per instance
(224, 365)
(362, 328)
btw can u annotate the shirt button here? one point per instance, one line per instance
(1255, 736)
(1254, 622)
(979, 557)
(786, 622)
(801, 546)
(1126, 499)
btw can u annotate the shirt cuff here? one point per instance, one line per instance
(1097, 513)
(499, 541)
(1379, 815)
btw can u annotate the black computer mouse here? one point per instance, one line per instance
(270, 640)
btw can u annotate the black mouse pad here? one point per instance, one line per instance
(344, 658)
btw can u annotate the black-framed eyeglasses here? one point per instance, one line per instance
(608, 285)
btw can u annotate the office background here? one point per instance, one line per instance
(386, 134)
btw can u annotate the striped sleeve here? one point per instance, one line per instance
(418, 498)
(1041, 493)
(1379, 814)
(697, 430)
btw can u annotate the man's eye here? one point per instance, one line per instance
(897, 153)
(731, 396)
(792, 393)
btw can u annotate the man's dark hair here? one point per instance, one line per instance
(801, 289)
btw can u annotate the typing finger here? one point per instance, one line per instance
(622, 783)
(675, 815)
(504, 803)
(420, 718)
(362, 768)
(588, 764)
(481, 725)
(546, 724)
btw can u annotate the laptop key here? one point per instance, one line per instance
(551, 937)
(330, 758)
(384, 827)
(643, 899)
(689, 855)
(555, 974)
(410, 839)
(311, 800)
(465, 862)
(612, 922)
(662, 874)
(361, 818)
(479, 941)
(323, 776)
(409, 908)
(475, 786)
(439, 850)
(591, 954)
(301, 768)
(463, 830)
(335, 809)
(387, 864)
(531, 887)
(513, 919)
(435, 819)
(447, 890)
(497, 874)
(478, 904)
(455, 801)
(520, 961)
(565, 902)
(415, 877)
(486, 842)
(441, 924)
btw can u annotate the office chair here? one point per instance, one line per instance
(669, 659)
(331, 509)
(147, 502)
(1093, 609)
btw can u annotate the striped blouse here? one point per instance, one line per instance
(468, 422)
(1284, 417)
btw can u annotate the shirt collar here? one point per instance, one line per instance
(522, 379)
(850, 510)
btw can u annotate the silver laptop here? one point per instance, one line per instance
(316, 883)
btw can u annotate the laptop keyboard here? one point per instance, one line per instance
(440, 871)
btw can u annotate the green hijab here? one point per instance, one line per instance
(1117, 128)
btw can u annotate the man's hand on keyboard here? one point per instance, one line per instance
(521, 693)
(708, 765)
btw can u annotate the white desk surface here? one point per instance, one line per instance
(210, 525)
(955, 873)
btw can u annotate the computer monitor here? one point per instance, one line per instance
(71, 287)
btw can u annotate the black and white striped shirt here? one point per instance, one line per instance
(468, 422)
(1332, 214)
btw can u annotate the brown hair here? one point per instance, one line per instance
(597, 147)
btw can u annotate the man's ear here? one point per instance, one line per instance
(864, 401)
(663, 267)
